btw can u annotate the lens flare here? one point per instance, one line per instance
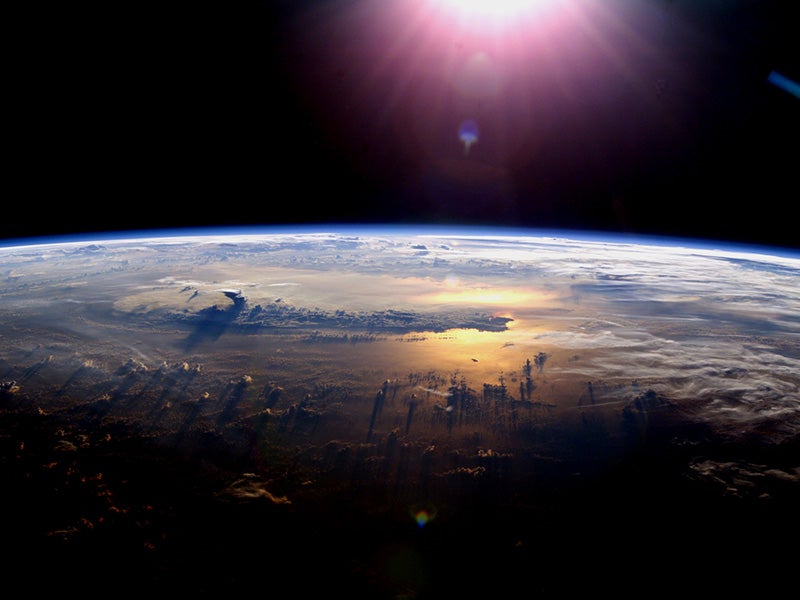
(784, 83)
(423, 516)
(468, 134)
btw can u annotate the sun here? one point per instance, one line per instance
(491, 9)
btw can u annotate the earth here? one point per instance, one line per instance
(379, 412)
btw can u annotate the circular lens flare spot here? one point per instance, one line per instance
(423, 516)
(468, 133)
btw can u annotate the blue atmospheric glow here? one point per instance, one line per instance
(390, 229)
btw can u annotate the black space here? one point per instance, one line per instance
(171, 115)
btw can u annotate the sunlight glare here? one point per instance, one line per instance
(498, 297)
(493, 9)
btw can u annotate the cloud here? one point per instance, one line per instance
(745, 479)
(490, 296)
(712, 327)
(465, 473)
(249, 487)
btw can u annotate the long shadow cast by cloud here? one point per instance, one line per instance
(213, 321)
(231, 397)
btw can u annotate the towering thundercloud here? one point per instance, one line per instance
(236, 296)
(526, 388)
(539, 361)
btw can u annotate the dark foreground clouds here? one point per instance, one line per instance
(656, 118)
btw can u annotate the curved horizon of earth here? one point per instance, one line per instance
(399, 412)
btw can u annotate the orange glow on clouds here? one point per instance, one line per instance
(488, 296)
